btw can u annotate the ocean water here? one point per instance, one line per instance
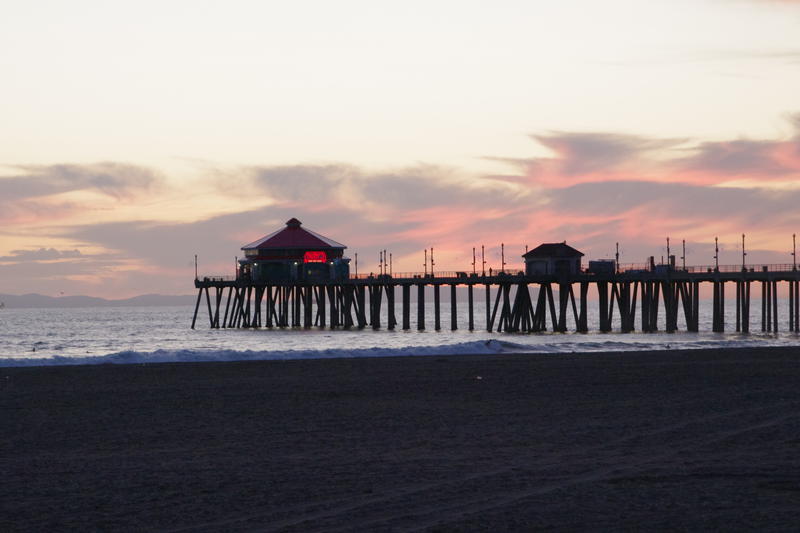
(133, 335)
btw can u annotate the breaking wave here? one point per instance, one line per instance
(482, 347)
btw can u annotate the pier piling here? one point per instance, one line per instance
(520, 304)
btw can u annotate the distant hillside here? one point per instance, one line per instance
(20, 301)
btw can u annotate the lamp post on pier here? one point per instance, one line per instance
(794, 252)
(669, 257)
(502, 258)
(483, 262)
(473, 261)
(431, 261)
(744, 254)
(683, 257)
(426, 262)
(716, 254)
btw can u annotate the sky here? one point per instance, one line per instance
(134, 135)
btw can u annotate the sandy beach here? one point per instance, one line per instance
(659, 440)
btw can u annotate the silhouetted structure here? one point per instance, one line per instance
(552, 259)
(294, 253)
(270, 292)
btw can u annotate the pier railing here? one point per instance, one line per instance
(783, 267)
(437, 274)
(622, 268)
(218, 278)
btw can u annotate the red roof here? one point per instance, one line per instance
(293, 236)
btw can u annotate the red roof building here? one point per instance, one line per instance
(293, 236)
(294, 253)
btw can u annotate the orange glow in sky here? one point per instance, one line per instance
(136, 136)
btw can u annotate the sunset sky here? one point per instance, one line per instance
(134, 135)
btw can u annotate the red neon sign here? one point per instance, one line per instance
(315, 257)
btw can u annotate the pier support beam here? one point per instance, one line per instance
(421, 306)
(746, 307)
(333, 307)
(743, 306)
(488, 308)
(522, 314)
(490, 321)
(774, 306)
(563, 305)
(307, 306)
(626, 302)
(583, 320)
(347, 316)
(794, 310)
(603, 302)
(766, 305)
(453, 308)
(670, 295)
(406, 307)
(718, 312)
(650, 298)
(361, 311)
(540, 314)
(505, 315)
(551, 305)
(471, 308)
(391, 319)
(375, 303)
(197, 306)
(437, 323)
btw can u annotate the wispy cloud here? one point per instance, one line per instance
(585, 153)
(42, 254)
(374, 193)
(116, 180)
(28, 194)
(600, 157)
(584, 157)
(593, 189)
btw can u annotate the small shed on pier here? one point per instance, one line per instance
(552, 259)
(294, 253)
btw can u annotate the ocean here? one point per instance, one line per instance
(135, 335)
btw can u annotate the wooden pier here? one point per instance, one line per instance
(513, 302)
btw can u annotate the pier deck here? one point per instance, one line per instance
(514, 302)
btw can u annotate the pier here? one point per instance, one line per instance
(632, 298)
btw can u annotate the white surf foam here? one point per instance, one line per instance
(179, 356)
(489, 347)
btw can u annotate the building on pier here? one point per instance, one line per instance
(550, 259)
(294, 253)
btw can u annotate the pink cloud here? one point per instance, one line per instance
(600, 157)
(593, 190)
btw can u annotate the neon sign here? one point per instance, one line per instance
(315, 257)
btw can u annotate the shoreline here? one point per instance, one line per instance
(684, 439)
(32, 362)
(113, 360)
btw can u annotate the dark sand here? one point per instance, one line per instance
(662, 440)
